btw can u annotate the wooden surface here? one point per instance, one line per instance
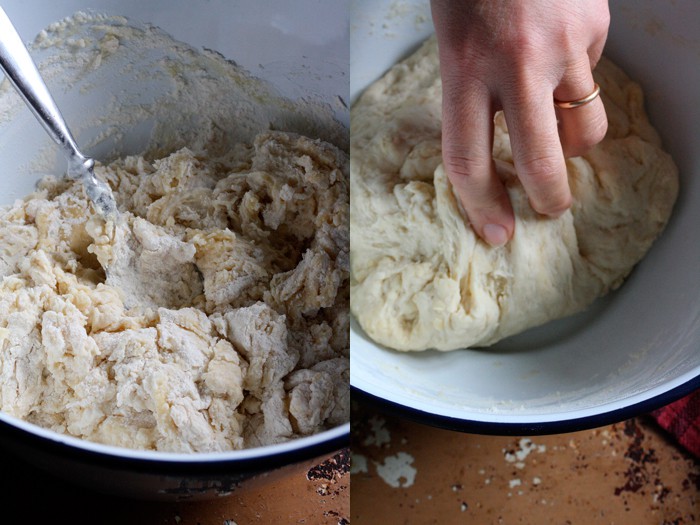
(406, 473)
(320, 495)
(627, 473)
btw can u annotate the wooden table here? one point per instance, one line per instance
(627, 473)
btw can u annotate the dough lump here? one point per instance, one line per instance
(421, 279)
(235, 270)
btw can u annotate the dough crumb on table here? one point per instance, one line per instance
(421, 279)
(213, 315)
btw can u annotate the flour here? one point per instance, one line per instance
(398, 470)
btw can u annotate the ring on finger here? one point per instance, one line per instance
(571, 104)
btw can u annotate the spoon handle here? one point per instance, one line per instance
(24, 76)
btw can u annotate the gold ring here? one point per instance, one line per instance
(580, 102)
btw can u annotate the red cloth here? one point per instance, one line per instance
(682, 420)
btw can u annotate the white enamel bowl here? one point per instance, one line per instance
(631, 352)
(303, 52)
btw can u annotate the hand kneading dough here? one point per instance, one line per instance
(238, 266)
(421, 279)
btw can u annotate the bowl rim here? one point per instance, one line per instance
(532, 425)
(265, 457)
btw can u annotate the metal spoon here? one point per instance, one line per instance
(24, 76)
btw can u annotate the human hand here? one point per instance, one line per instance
(517, 56)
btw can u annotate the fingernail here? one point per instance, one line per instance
(495, 234)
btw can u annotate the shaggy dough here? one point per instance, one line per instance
(236, 273)
(421, 279)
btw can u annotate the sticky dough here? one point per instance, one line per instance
(421, 279)
(240, 267)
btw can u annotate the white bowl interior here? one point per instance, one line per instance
(302, 53)
(641, 341)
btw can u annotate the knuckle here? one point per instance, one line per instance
(590, 139)
(593, 133)
(598, 22)
(546, 178)
(542, 170)
(603, 17)
(481, 192)
(522, 42)
(553, 205)
(465, 177)
(465, 169)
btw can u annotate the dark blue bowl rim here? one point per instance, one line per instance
(526, 429)
(12, 437)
